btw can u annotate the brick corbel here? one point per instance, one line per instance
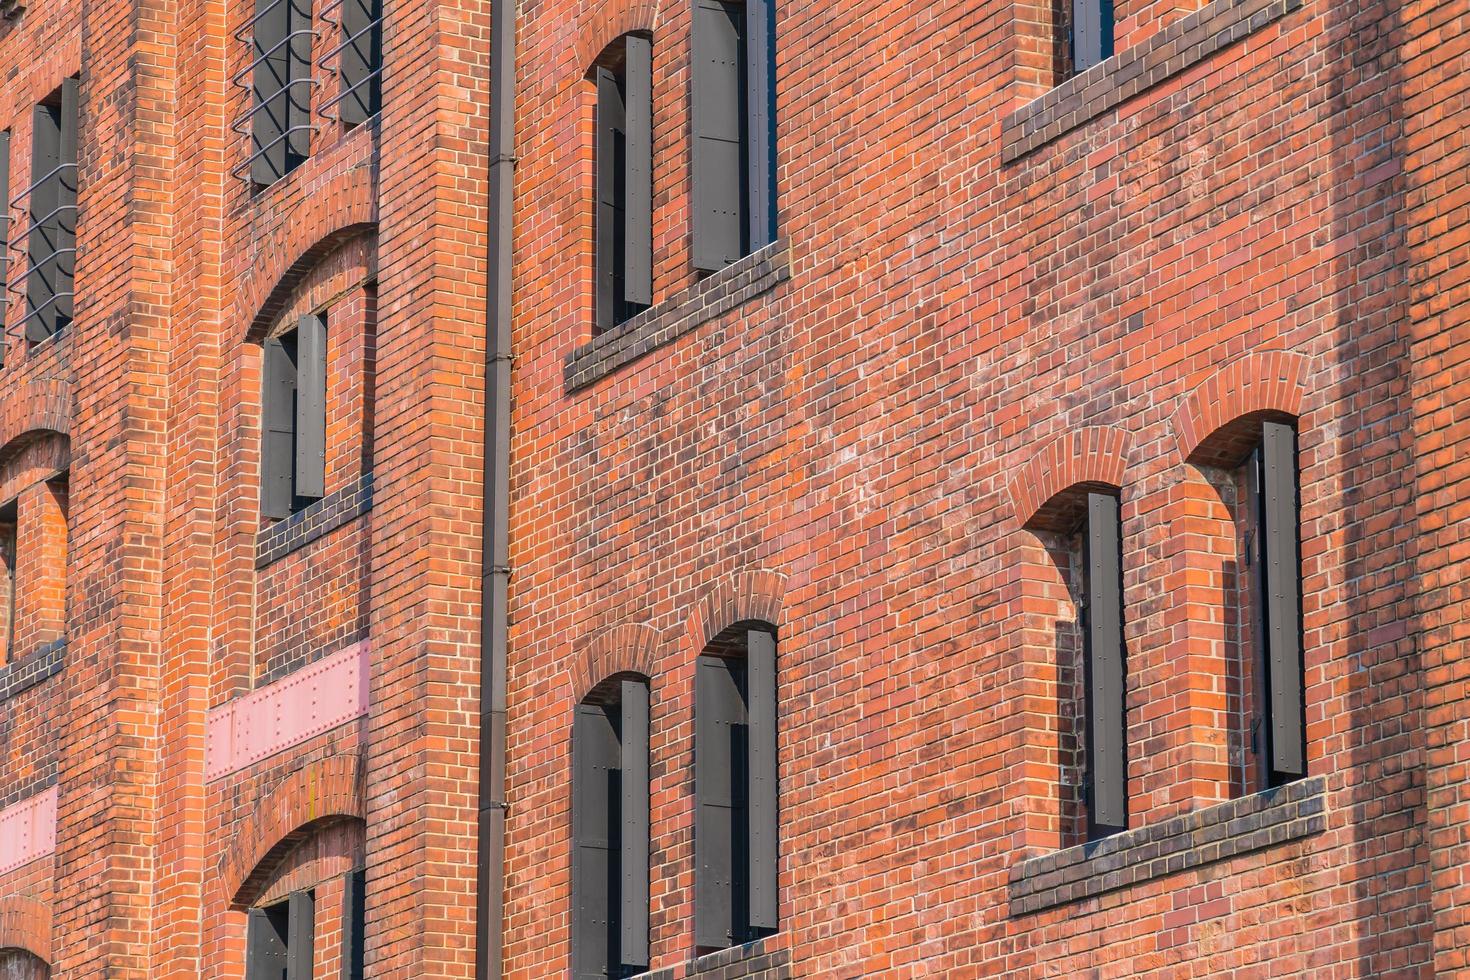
(1213, 425)
(321, 791)
(25, 924)
(1048, 484)
(628, 648)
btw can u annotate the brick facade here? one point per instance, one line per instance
(993, 289)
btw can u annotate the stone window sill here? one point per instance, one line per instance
(1104, 86)
(1204, 836)
(315, 521)
(662, 323)
(26, 672)
(758, 960)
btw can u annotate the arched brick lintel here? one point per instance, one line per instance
(1208, 423)
(33, 410)
(328, 789)
(1051, 480)
(610, 21)
(628, 648)
(746, 595)
(346, 206)
(25, 924)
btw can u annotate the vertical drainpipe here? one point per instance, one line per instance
(495, 570)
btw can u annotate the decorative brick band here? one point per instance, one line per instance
(664, 322)
(315, 699)
(1193, 839)
(1107, 85)
(32, 669)
(310, 523)
(28, 830)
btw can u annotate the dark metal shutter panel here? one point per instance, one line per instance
(760, 659)
(718, 708)
(265, 947)
(760, 74)
(1281, 561)
(271, 76)
(311, 407)
(277, 429)
(362, 37)
(66, 202)
(1107, 755)
(298, 94)
(354, 921)
(638, 206)
(41, 244)
(595, 758)
(300, 935)
(609, 215)
(1092, 33)
(634, 863)
(718, 123)
(4, 235)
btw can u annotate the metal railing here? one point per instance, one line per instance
(286, 95)
(21, 285)
(331, 61)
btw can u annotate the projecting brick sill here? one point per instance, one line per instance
(319, 519)
(662, 323)
(749, 961)
(1135, 69)
(26, 672)
(1191, 840)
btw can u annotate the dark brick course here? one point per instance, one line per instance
(319, 519)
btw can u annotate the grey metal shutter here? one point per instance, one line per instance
(596, 757)
(300, 935)
(265, 944)
(66, 206)
(1105, 665)
(1092, 32)
(634, 862)
(609, 217)
(359, 60)
(1281, 567)
(719, 791)
(760, 81)
(4, 235)
(298, 91)
(278, 428)
(272, 54)
(44, 237)
(760, 659)
(354, 920)
(311, 407)
(638, 202)
(718, 123)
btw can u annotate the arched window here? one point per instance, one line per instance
(623, 163)
(17, 964)
(610, 831)
(735, 788)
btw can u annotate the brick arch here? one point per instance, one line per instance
(1207, 424)
(345, 206)
(25, 924)
(625, 648)
(35, 409)
(327, 789)
(609, 21)
(745, 595)
(1050, 482)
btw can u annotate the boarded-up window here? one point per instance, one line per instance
(1104, 666)
(624, 175)
(360, 60)
(735, 786)
(1092, 33)
(280, 939)
(51, 237)
(294, 418)
(280, 119)
(610, 832)
(733, 130)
